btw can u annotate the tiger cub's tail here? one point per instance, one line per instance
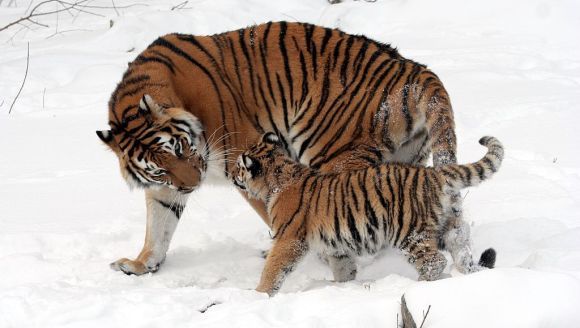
(468, 175)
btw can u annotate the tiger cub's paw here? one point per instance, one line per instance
(130, 267)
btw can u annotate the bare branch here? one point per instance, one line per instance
(22, 28)
(467, 193)
(33, 13)
(25, 75)
(68, 31)
(180, 5)
(291, 17)
(407, 318)
(205, 308)
(408, 321)
(37, 23)
(115, 7)
(425, 314)
(80, 6)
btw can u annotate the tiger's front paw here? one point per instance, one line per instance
(271, 292)
(130, 267)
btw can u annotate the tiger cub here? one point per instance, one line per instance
(357, 212)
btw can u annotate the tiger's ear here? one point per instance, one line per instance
(252, 165)
(271, 138)
(106, 136)
(248, 161)
(196, 126)
(149, 106)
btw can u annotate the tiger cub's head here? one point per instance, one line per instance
(158, 146)
(255, 167)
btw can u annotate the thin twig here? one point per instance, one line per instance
(22, 28)
(467, 193)
(65, 7)
(33, 13)
(115, 7)
(180, 5)
(406, 317)
(205, 308)
(425, 316)
(81, 6)
(37, 23)
(68, 31)
(291, 17)
(57, 17)
(25, 75)
(29, 5)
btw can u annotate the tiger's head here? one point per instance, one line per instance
(158, 146)
(265, 168)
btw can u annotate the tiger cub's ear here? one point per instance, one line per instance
(271, 138)
(252, 165)
(106, 136)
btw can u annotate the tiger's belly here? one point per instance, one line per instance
(355, 239)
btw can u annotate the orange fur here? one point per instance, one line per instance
(338, 101)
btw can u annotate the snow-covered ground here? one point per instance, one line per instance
(512, 69)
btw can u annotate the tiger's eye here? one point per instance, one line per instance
(158, 172)
(178, 150)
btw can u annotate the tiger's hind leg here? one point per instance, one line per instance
(164, 208)
(415, 150)
(421, 249)
(456, 239)
(281, 261)
(455, 235)
(343, 267)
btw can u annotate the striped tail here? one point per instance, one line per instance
(463, 176)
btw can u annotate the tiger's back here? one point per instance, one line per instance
(326, 93)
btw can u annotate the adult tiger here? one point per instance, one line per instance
(338, 101)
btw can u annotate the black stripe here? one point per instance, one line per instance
(282, 45)
(391, 208)
(176, 208)
(304, 79)
(236, 65)
(322, 102)
(336, 53)
(250, 66)
(325, 39)
(265, 37)
(346, 59)
(402, 175)
(311, 46)
(263, 57)
(284, 102)
(142, 59)
(480, 171)
(489, 163)
(351, 222)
